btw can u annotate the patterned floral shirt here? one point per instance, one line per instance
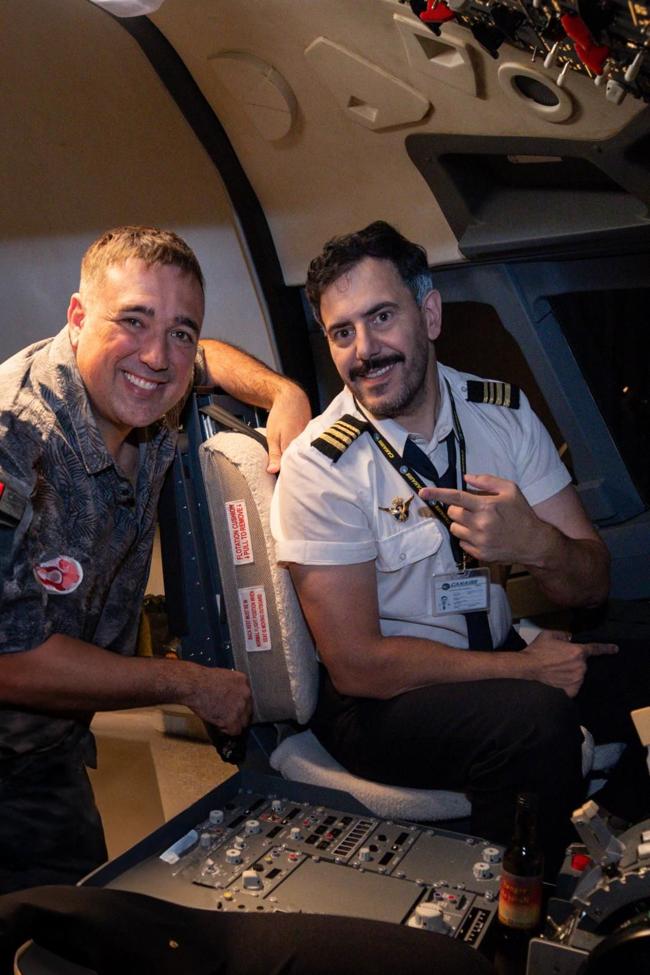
(75, 559)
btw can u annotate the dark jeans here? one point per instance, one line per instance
(494, 738)
(50, 829)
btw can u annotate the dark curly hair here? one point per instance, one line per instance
(378, 240)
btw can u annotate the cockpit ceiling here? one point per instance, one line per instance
(319, 97)
(340, 111)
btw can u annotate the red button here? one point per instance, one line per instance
(580, 862)
(437, 12)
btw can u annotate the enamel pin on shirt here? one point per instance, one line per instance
(398, 508)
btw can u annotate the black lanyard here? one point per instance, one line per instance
(461, 558)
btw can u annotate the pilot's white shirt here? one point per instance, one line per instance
(326, 513)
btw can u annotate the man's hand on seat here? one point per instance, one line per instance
(222, 698)
(288, 417)
(552, 659)
(251, 381)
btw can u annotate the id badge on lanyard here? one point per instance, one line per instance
(461, 592)
(468, 589)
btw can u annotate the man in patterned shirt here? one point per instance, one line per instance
(88, 429)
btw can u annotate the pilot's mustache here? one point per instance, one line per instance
(376, 363)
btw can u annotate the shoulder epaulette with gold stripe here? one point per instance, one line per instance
(334, 441)
(495, 393)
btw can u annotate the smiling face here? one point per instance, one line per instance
(135, 332)
(381, 342)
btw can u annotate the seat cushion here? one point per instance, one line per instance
(302, 758)
(270, 640)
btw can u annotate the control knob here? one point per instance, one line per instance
(430, 917)
(482, 870)
(252, 880)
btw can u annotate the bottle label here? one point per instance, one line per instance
(520, 901)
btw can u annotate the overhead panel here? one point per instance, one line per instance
(445, 61)
(453, 64)
(605, 41)
(535, 92)
(263, 93)
(367, 93)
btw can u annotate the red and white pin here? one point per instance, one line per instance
(60, 576)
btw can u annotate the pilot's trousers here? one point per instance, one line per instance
(494, 738)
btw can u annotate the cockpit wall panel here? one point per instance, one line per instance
(92, 139)
(339, 165)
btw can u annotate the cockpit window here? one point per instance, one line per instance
(608, 334)
(475, 340)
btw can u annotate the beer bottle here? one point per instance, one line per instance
(520, 895)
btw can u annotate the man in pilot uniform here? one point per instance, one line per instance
(88, 429)
(420, 685)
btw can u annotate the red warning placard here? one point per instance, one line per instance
(240, 538)
(255, 618)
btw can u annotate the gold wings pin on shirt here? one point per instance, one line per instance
(398, 508)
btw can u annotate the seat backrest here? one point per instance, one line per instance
(270, 639)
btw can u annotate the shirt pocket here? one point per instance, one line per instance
(404, 548)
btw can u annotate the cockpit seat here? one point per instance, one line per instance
(271, 643)
(270, 639)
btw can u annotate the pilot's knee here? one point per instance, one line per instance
(542, 719)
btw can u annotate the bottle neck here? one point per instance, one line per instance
(525, 833)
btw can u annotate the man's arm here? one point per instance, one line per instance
(553, 540)
(65, 674)
(340, 603)
(247, 379)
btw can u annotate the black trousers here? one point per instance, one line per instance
(494, 738)
(112, 931)
(50, 828)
